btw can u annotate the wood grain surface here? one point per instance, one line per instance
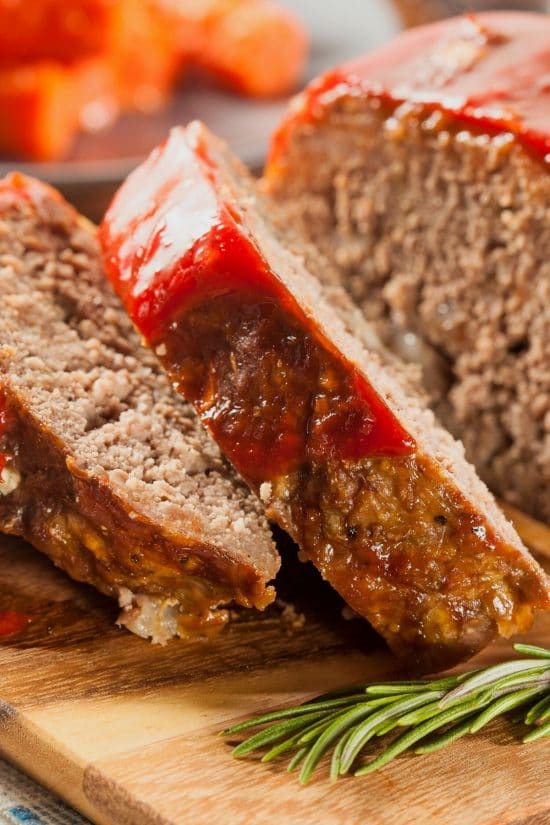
(128, 733)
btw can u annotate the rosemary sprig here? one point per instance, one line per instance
(426, 715)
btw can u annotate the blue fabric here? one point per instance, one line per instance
(23, 802)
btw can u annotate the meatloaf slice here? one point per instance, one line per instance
(422, 173)
(338, 447)
(103, 467)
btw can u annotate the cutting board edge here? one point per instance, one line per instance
(116, 803)
(48, 762)
(53, 670)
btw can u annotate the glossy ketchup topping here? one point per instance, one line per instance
(12, 622)
(490, 71)
(193, 280)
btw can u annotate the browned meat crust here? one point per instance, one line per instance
(394, 535)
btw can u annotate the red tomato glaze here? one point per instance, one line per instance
(189, 273)
(490, 71)
(12, 622)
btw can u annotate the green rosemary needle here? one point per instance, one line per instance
(426, 716)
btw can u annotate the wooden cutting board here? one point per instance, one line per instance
(127, 732)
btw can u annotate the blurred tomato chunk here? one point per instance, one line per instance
(70, 64)
(55, 29)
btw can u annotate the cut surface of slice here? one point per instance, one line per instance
(422, 173)
(103, 467)
(344, 455)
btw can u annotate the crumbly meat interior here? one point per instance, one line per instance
(72, 359)
(435, 229)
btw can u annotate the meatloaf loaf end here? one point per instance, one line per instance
(341, 451)
(422, 173)
(102, 466)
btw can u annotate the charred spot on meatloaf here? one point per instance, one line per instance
(444, 230)
(116, 479)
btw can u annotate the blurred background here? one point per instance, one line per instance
(88, 87)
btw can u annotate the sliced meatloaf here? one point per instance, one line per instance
(103, 467)
(328, 432)
(422, 173)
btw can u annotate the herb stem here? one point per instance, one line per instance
(429, 715)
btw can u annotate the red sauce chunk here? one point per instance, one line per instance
(12, 622)
(271, 388)
(490, 71)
